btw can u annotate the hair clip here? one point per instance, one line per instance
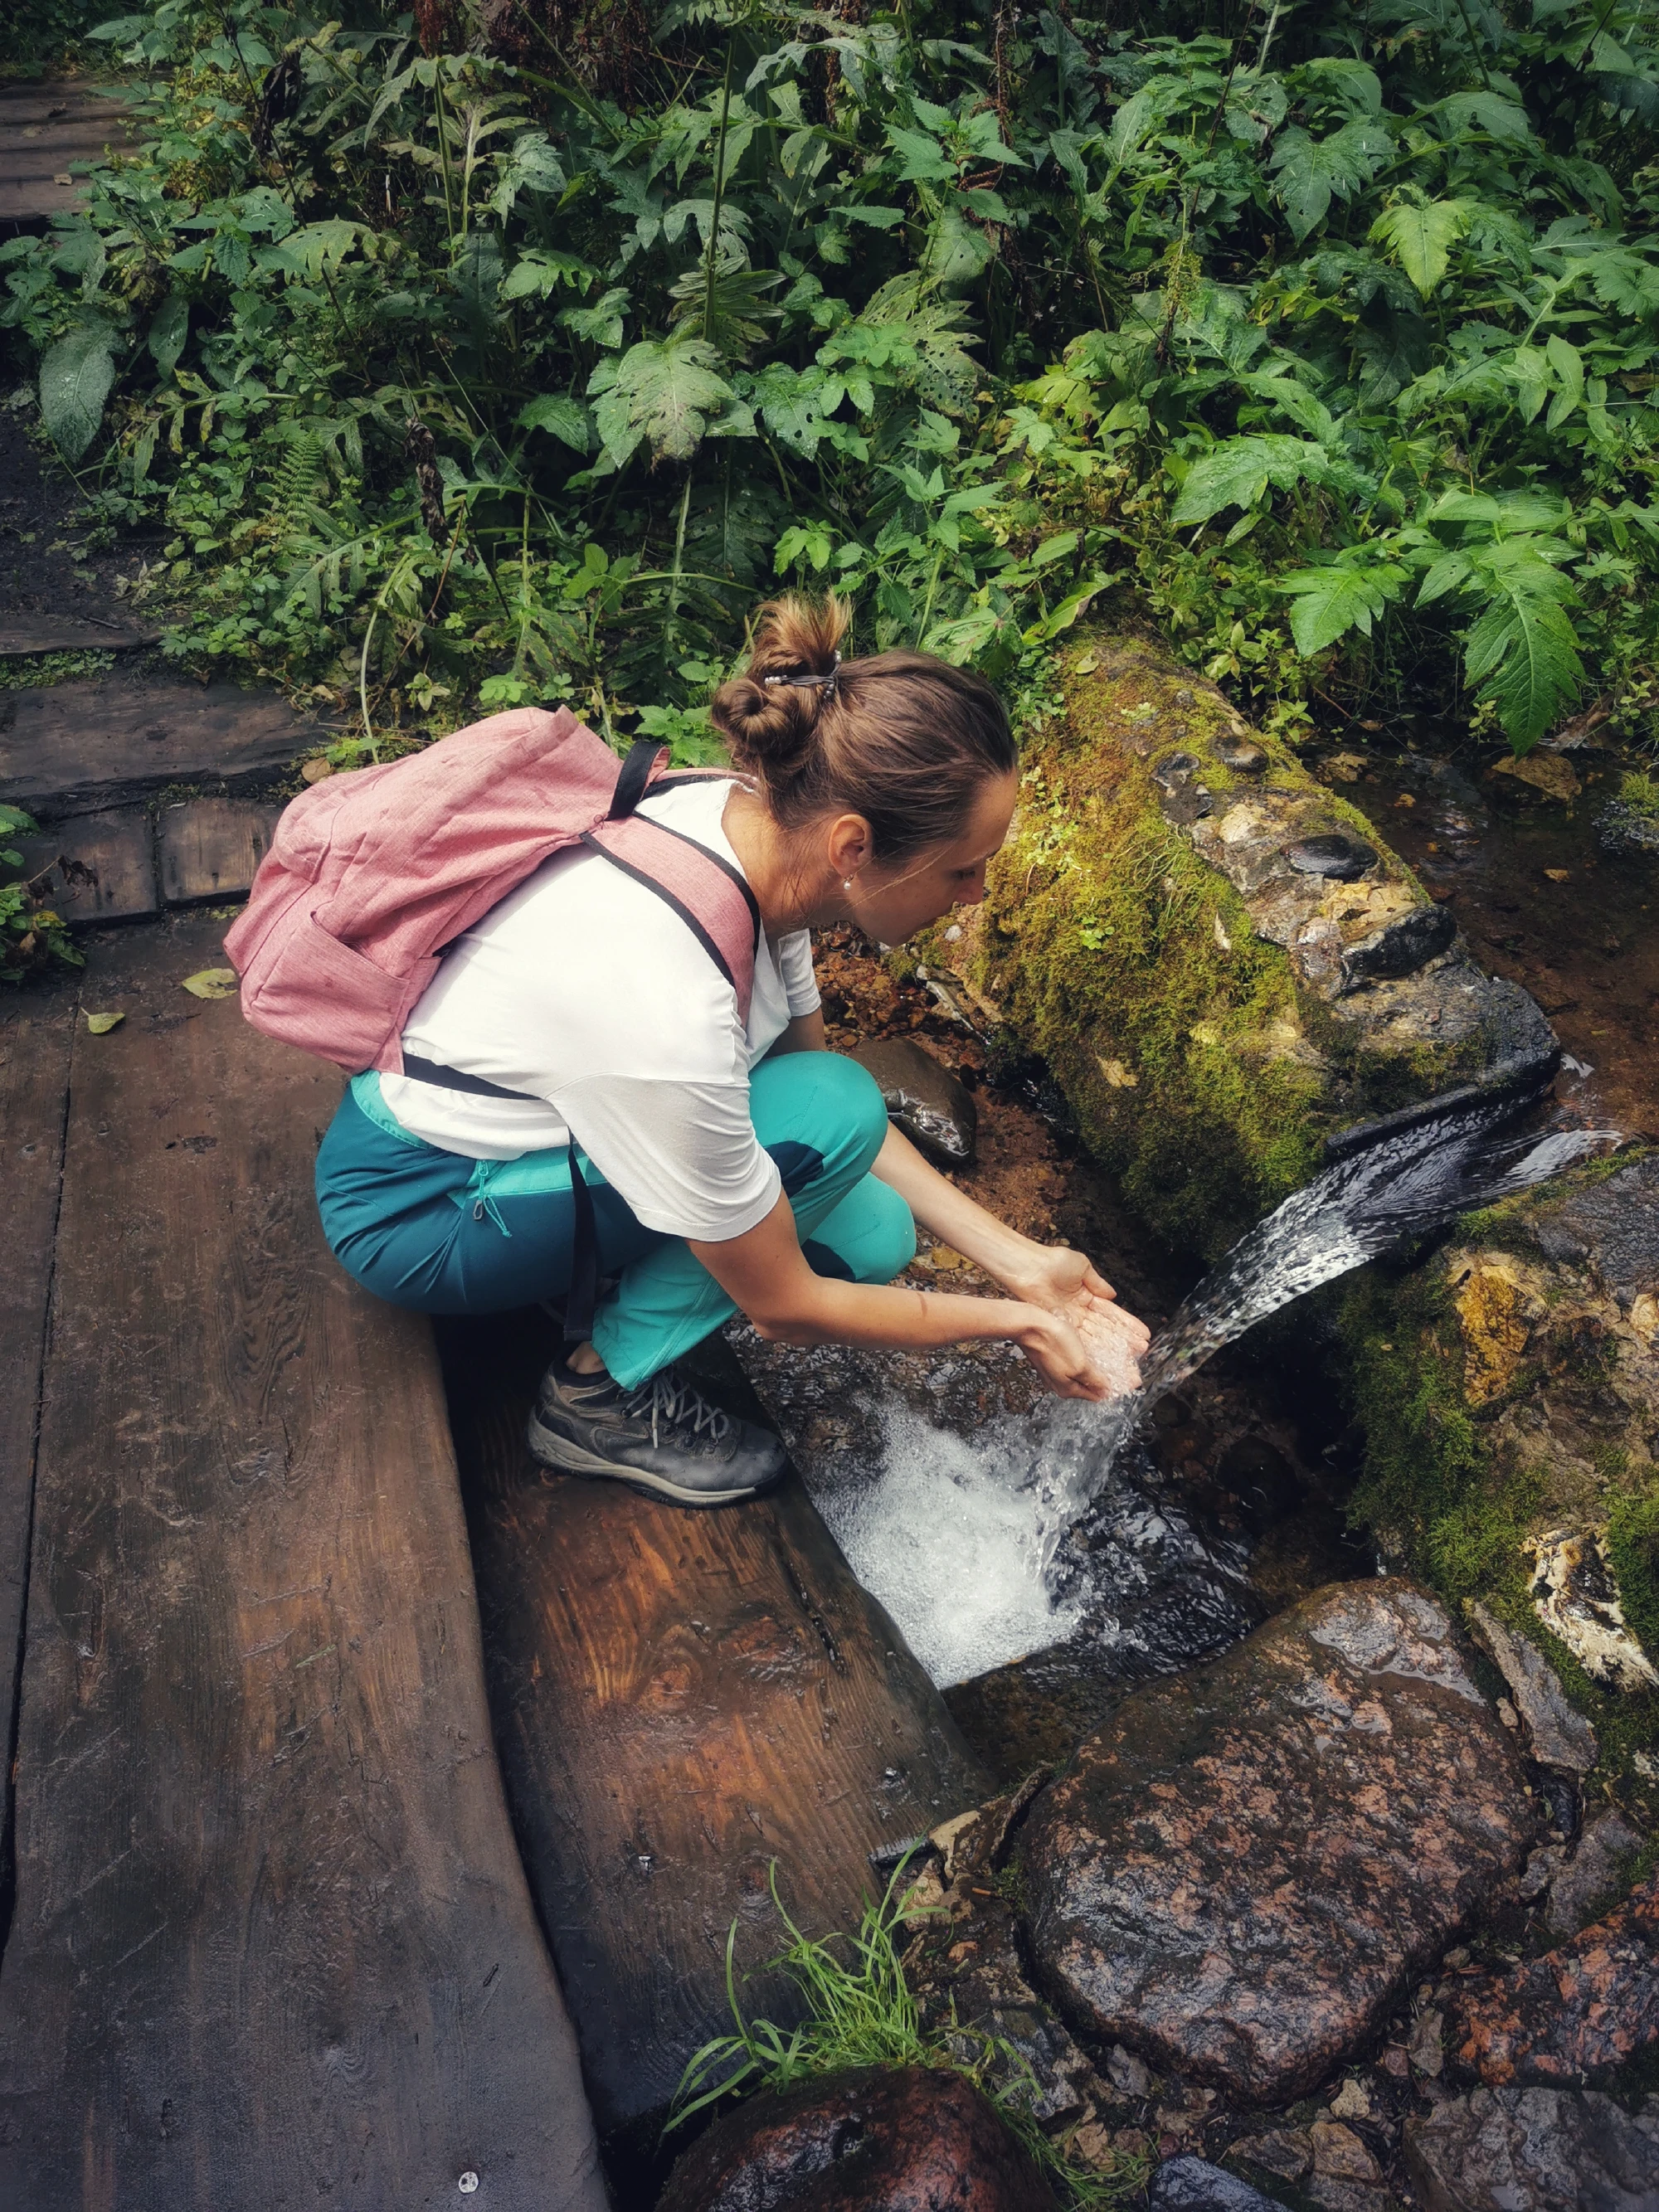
(825, 685)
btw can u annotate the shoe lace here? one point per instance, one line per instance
(671, 1401)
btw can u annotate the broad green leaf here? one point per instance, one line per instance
(666, 389)
(75, 376)
(1421, 237)
(1331, 601)
(562, 417)
(1238, 474)
(1489, 112)
(1523, 651)
(316, 249)
(1311, 172)
(539, 270)
(1532, 380)
(1568, 364)
(211, 983)
(922, 160)
(601, 324)
(101, 1024)
(169, 326)
(1449, 574)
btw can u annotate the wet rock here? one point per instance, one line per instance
(1284, 2153)
(1584, 1887)
(912, 2139)
(1247, 1866)
(1575, 1596)
(1534, 2151)
(1401, 947)
(1346, 2177)
(1516, 1372)
(1189, 2185)
(1343, 858)
(1202, 1017)
(1559, 1735)
(934, 1111)
(1620, 829)
(1574, 2015)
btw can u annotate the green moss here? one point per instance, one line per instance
(1632, 1545)
(1641, 794)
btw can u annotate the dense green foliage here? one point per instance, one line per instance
(512, 361)
(31, 935)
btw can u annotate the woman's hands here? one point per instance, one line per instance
(1096, 1350)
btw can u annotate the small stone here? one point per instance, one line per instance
(1545, 772)
(1341, 857)
(1093, 2144)
(1532, 2150)
(1561, 1737)
(1286, 2153)
(1240, 755)
(1507, 1714)
(870, 2140)
(1581, 2011)
(923, 1099)
(1129, 2076)
(1351, 2102)
(1395, 2062)
(1583, 1885)
(1338, 2152)
(1541, 1871)
(1425, 2051)
(1344, 768)
(1191, 2184)
(1575, 1597)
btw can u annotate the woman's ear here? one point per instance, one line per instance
(848, 845)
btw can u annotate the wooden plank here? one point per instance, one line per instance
(271, 1946)
(37, 1026)
(681, 1700)
(23, 635)
(43, 129)
(71, 746)
(209, 848)
(95, 867)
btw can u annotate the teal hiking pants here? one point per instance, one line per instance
(446, 1234)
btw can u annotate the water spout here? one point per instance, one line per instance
(1417, 1172)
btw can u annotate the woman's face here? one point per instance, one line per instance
(892, 904)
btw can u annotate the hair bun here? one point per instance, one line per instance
(769, 714)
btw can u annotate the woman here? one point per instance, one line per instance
(732, 1166)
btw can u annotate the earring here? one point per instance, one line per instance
(846, 882)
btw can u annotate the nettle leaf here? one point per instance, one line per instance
(1421, 238)
(1568, 364)
(75, 376)
(666, 389)
(540, 270)
(561, 415)
(1489, 112)
(601, 324)
(922, 160)
(1312, 172)
(1238, 474)
(1330, 601)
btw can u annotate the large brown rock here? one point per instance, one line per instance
(1534, 2150)
(908, 2139)
(1249, 1865)
(1578, 2013)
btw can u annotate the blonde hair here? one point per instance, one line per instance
(903, 738)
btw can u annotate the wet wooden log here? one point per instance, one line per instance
(44, 128)
(209, 848)
(271, 1943)
(70, 747)
(94, 867)
(683, 1700)
(36, 1031)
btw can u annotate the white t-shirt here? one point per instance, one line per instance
(587, 989)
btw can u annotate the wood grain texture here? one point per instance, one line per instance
(271, 1945)
(22, 635)
(209, 848)
(43, 128)
(96, 867)
(681, 1700)
(37, 1027)
(72, 746)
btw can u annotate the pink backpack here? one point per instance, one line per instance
(371, 875)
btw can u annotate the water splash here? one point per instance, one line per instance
(1411, 1179)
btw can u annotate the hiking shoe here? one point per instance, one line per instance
(663, 1437)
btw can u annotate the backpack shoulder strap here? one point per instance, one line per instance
(708, 893)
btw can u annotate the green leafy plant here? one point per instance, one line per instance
(31, 934)
(861, 2012)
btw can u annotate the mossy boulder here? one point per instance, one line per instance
(1217, 958)
(1509, 1391)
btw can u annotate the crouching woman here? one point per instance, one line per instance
(731, 1165)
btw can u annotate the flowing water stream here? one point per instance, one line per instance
(1052, 1527)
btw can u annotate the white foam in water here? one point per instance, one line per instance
(945, 1535)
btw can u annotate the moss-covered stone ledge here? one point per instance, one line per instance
(1216, 958)
(1509, 1391)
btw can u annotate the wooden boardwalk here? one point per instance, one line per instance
(44, 129)
(274, 1936)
